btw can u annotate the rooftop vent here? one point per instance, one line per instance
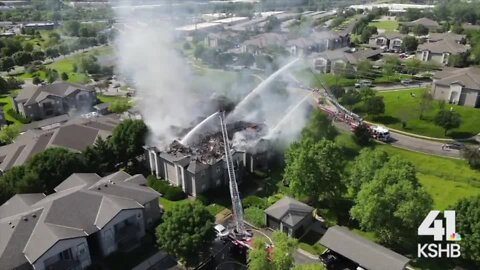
(25, 218)
(98, 188)
(105, 185)
(34, 215)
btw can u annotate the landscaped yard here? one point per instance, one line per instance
(403, 106)
(387, 25)
(8, 110)
(111, 99)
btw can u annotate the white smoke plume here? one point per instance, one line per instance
(172, 99)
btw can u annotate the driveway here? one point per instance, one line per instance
(400, 87)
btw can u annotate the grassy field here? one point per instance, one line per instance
(66, 65)
(167, 204)
(401, 106)
(446, 180)
(388, 26)
(111, 99)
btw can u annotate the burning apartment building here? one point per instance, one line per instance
(201, 165)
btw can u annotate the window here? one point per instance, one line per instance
(147, 206)
(66, 255)
(81, 250)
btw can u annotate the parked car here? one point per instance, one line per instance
(363, 83)
(456, 145)
(406, 82)
(221, 231)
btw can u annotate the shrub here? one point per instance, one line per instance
(254, 201)
(203, 199)
(274, 198)
(168, 192)
(255, 216)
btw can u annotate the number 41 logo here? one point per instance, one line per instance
(438, 230)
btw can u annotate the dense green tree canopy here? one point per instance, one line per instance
(409, 44)
(127, 140)
(282, 255)
(468, 225)
(393, 203)
(375, 105)
(186, 231)
(472, 155)
(447, 120)
(319, 127)
(314, 169)
(257, 257)
(363, 170)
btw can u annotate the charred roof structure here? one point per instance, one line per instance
(201, 166)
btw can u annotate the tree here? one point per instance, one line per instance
(364, 69)
(337, 91)
(447, 120)
(395, 215)
(245, 59)
(413, 65)
(64, 76)
(272, 24)
(282, 258)
(8, 133)
(472, 155)
(319, 127)
(392, 64)
(351, 98)
(52, 52)
(361, 134)
(315, 266)
(458, 60)
(6, 63)
(256, 216)
(119, 106)
(420, 30)
(257, 257)
(468, 224)
(127, 140)
(366, 164)
(186, 229)
(52, 166)
(38, 55)
(375, 105)
(409, 44)
(36, 80)
(22, 58)
(314, 169)
(425, 103)
(100, 157)
(199, 49)
(367, 33)
(72, 28)
(403, 29)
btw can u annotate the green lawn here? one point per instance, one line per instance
(388, 26)
(446, 180)
(111, 99)
(167, 204)
(214, 209)
(401, 106)
(8, 110)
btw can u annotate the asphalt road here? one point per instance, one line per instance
(399, 86)
(414, 144)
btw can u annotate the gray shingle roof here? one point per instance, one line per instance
(468, 77)
(75, 134)
(367, 254)
(83, 204)
(289, 211)
(60, 89)
(443, 46)
(265, 40)
(423, 21)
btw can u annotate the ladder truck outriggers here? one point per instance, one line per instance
(239, 235)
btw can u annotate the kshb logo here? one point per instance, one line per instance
(439, 233)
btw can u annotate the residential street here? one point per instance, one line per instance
(414, 144)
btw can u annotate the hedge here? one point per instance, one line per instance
(254, 201)
(255, 216)
(168, 192)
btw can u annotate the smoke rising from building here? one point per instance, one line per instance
(172, 99)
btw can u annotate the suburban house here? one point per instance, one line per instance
(328, 62)
(87, 217)
(432, 25)
(440, 51)
(390, 41)
(54, 99)
(289, 216)
(365, 253)
(75, 134)
(434, 37)
(459, 86)
(260, 42)
(221, 40)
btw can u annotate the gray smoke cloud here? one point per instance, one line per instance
(172, 98)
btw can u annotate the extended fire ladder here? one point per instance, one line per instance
(234, 194)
